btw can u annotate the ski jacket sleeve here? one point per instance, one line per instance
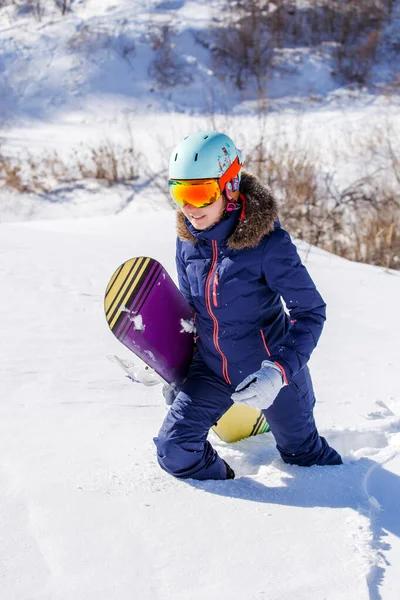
(182, 275)
(286, 275)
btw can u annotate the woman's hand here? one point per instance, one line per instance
(261, 388)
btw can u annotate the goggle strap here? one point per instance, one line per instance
(229, 174)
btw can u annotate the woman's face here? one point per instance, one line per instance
(202, 218)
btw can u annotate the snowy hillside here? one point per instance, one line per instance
(88, 119)
(86, 511)
(106, 55)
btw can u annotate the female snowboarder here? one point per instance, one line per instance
(235, 263)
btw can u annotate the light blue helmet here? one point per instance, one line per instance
(204, 155)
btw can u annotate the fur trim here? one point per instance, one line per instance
(261, 211)
(181, 228)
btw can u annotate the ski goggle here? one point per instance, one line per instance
(202, 192)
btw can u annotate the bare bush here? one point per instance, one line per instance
(376, 230)
(318, 21)
(167, 68)
(292, 175)
(33, 6)
(245, 42)
(109, 163)
(64, 5)
(354, 27)
(37, 7)
(10, 173)
(241, 47)
(360, 222)
(354, 61)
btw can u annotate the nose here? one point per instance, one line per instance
(190, 206)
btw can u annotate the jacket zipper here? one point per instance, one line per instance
(210, 312)
(215, 289)
(265, 342)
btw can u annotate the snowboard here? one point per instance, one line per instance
(148, 314)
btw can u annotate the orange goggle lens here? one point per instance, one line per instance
(197, 192)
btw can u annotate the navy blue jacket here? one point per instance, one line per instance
(234, 275)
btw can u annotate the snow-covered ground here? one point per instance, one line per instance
(86, 512)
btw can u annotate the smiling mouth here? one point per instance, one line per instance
(193, 217)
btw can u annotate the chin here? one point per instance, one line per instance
(199, 226)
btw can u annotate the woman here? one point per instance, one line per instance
(235, 263)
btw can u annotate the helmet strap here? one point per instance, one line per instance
(231, 204)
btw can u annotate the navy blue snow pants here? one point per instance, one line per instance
(182, 446)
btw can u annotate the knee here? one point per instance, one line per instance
(178, 459)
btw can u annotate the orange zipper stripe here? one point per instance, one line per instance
(210, 312)
(215, 289)
(264, 342)
(275, 363)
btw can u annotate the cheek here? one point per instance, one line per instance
(219, 210)
(184, 210)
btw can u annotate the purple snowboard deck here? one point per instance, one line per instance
(147, 313)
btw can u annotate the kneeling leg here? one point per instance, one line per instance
(182, 446)
(292, 423)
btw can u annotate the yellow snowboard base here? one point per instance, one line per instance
(240, 421)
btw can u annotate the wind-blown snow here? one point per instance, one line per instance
(87, 512)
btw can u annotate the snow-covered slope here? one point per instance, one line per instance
(99, 57)
(86, 512)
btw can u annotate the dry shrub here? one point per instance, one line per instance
(292, 176)
(108, 163)
(37, 7)
(241, 46)
(10, 173)
(354, 61)
(380, 242)
(244, 43)
(167, 68)
(372, 228)
(360, 222)
(64, 5)
(90, 37)
(316, 21)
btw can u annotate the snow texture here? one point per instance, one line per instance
(86, 511)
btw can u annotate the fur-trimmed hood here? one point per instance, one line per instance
(260, 213)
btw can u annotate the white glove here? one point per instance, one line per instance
(261, 388)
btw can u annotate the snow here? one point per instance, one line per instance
(85, 511)
(137, 320)
(188, 326)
